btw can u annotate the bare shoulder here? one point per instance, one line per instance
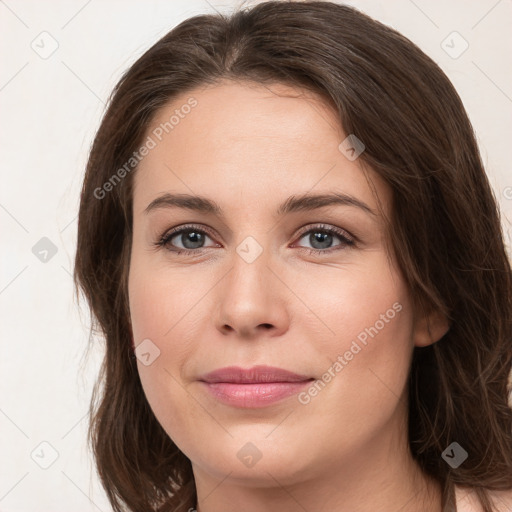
(503, 500)
(467, 500)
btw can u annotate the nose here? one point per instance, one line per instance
(252, 301)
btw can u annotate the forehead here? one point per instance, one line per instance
(250, 142)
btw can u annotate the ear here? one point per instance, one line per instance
(429, 328)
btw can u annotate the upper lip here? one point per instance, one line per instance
(237, 375)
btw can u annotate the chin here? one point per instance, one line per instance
(254, 460)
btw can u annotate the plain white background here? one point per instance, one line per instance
(50, 107)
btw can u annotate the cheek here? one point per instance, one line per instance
(162, 301)
(158, 313)
(371, 352)
(368, 314)
(360, 302)
(151, 307)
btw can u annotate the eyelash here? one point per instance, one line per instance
(345, 238)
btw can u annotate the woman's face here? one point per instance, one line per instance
(269, 280)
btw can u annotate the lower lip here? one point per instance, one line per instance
(255, 395)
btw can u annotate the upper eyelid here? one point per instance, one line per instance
(322, 227)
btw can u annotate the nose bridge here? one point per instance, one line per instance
(250, 261)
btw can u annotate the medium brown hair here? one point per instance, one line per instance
(444, 227)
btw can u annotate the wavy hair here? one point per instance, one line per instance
(444, 228)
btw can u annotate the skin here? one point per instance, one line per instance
(250, 147)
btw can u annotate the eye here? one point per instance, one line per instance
(321, 238)
(191, 237)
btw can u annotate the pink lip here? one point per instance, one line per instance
(254, 387)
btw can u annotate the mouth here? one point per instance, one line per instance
(255, 387)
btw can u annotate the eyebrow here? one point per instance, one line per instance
(304, 202)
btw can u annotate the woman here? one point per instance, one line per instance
(245, 370)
